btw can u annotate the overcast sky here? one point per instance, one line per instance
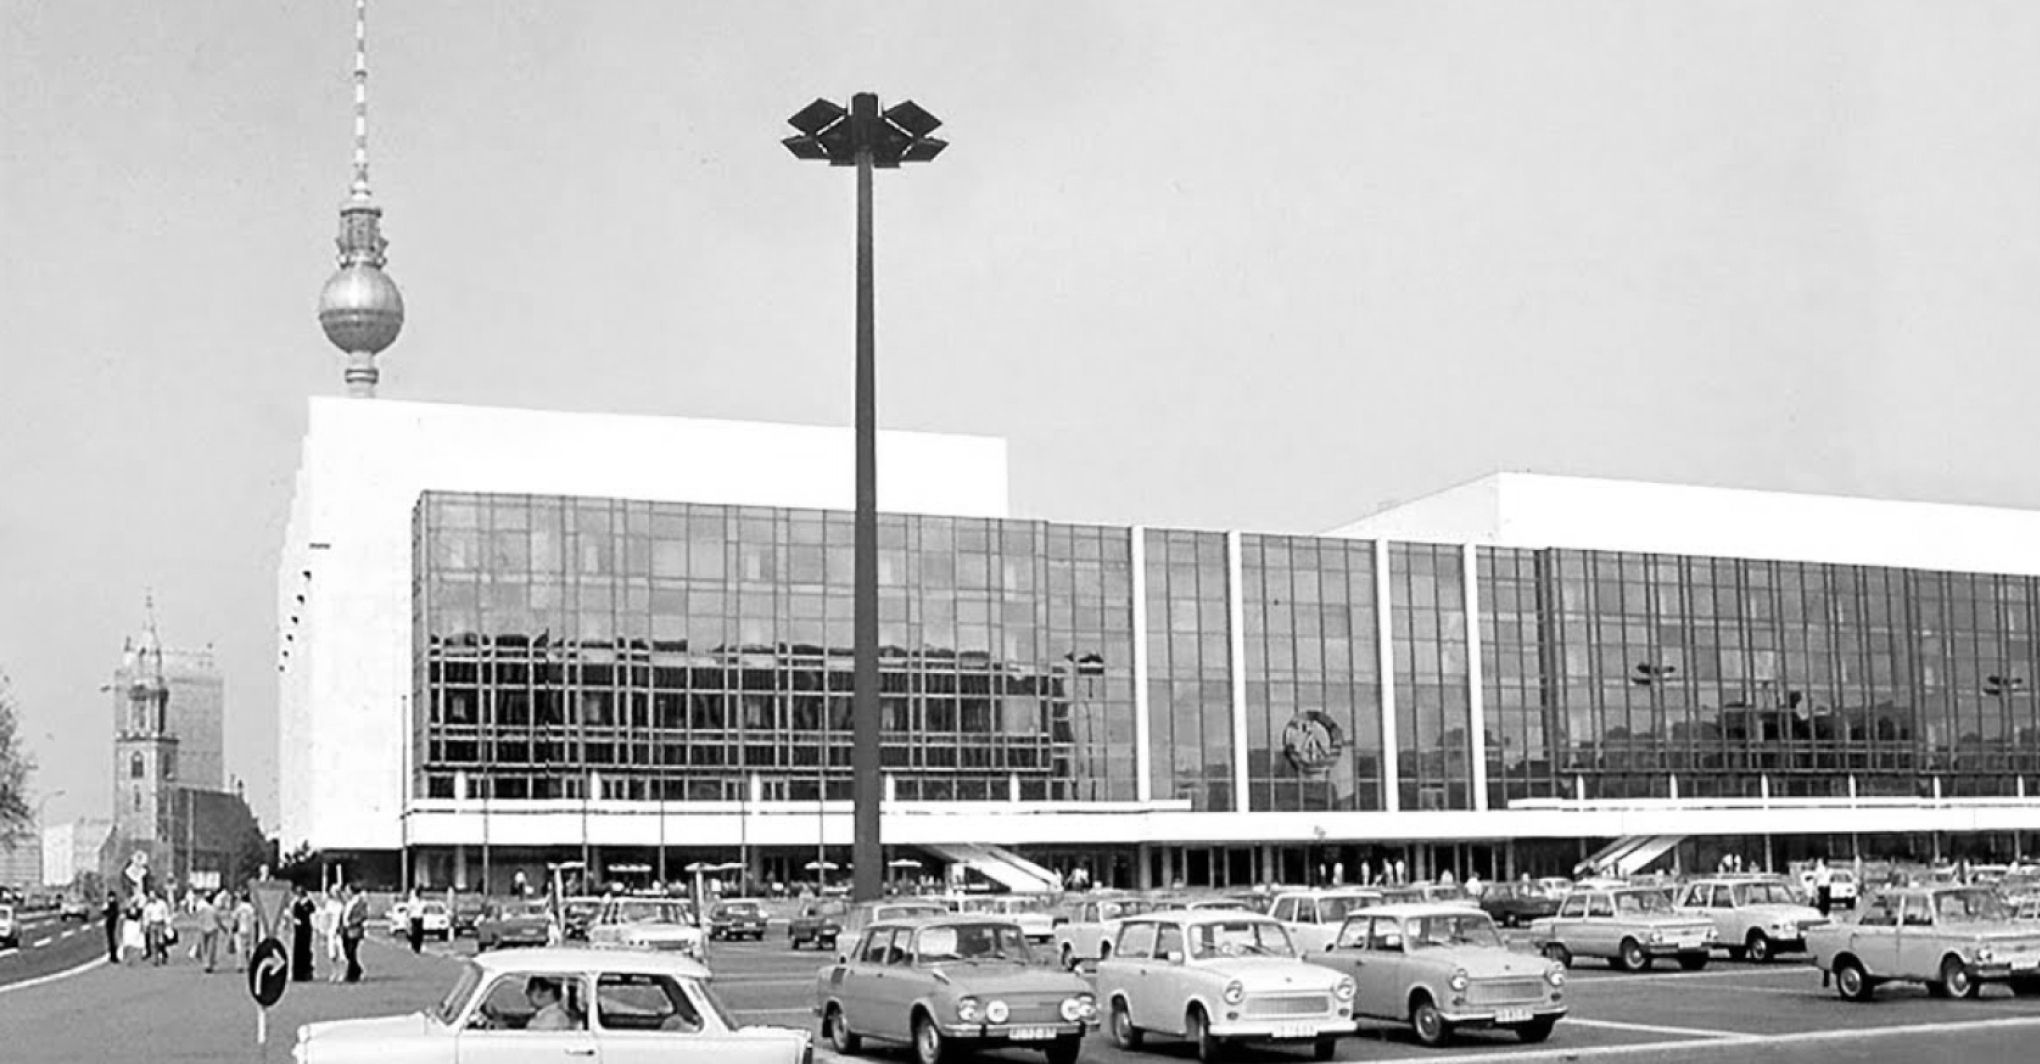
(1218, 264)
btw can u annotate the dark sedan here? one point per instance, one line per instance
(513, 923)
(737, 918)
(577, 914)
(818, 922)
(1516, 904)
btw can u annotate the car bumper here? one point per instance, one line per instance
(1013, 1033)
(1679, 949)
(1489, 1016)
(1273, 1029)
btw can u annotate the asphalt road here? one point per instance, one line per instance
(48, 946)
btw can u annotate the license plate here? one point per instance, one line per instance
(1512, 1015)
(1031, 1034)
(1296, 1030)
(2027, 962)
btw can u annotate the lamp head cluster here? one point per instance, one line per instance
(831, 133)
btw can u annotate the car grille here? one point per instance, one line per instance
(666, 945)
(1502, 991)
(1288, 1005)
(1032, 1009)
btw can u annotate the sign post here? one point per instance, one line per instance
(268, 975)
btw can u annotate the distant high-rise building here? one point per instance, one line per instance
(69, 849)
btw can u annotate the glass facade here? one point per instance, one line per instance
(603, 648)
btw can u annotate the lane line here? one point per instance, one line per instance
(39, 943)
(1655, 1028)
(1619, 978)
(10, 951)
(1561, 1053)
(66, 974)
(1740, 1043)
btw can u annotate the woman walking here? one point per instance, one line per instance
(329, 926)
(303, 910)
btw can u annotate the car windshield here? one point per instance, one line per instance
(1114, 910)
(1240, 938)
(1768, 894)
(898, 912)
(526, 909)
(971, 943)
(741, 908)
(457, 995)
(1221, 903)
(1642, 901)
(1336, 907)
(1969, 906)
(1456, 929)
(828, 908)
(652, 912)
(1020, 905)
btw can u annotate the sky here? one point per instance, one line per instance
(1227, 265)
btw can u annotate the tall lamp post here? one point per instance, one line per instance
(866, 138)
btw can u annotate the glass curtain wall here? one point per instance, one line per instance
(1189, 668)
(1427, 607)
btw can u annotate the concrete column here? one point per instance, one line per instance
(1384, 648)
(1143, 782)
(460, 866)
(1143, 871)
(1236, 652)
(1476, 717)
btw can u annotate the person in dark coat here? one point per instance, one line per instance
(112, 913)
(302, 911)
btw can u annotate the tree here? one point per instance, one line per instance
(17, 817)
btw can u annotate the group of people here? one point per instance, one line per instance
(144, 928)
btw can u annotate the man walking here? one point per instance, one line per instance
(353, 927)
(414, 914)
(207, 949)
(112, 916)
(303, 910)
(156, 930)
(1823, 886)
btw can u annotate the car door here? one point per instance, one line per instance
(1565, 927)
(860, 988)
(1918, 952)
(497, 1031)
(1169, 982)
(1376, 962)
(1598, 931)
(1124, 974)
(648, 1018)
(1873, 938)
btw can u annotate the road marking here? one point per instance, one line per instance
(765, 981)
(1617, 978)
(1654, 1028)
(66, 974)
(39, 943)
(9, 951)
(1741, 1043)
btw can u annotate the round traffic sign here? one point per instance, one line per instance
(268, 972)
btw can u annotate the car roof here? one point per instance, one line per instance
(1332, 892)
(586, 958)
(945, 920)
(1408, 909)
(1204, 916)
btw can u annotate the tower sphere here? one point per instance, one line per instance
(360, 309)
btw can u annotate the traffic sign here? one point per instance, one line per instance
(272, 900)
(268, 972)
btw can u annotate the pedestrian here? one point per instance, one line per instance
(244, 927)
(303, 910)
(133, 943)
(414, 917)
(207, 947)
(112, 916)
(329, 928)
(353, 927)
(1823, 886)
(155, 930)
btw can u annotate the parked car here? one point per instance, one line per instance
(397, 919)
(1312, 917)
(561, 1004)
(1953, 939)
(1032, 912)
(1085, 930)
(73, 908)
(1758, 919)
(648, 924)
(818, 922)
(10, 928)
(514, 922)
(1218, 977)
(575, 916)
(734, 918)
(1518, 903)
(437, 919)
(468, 910)
(1440, 968)
(948, 985)
(865, 913)
(1629, 927)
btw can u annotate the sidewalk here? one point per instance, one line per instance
(178, 1014)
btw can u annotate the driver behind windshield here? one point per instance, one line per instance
(550, 1015)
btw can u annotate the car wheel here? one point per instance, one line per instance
(1693, 962)
(1955, 979)
(1124, 1034)
(1429, 1024)
(1631, 957)
(792, 942)
(1537, 1030)
(841, 1038)
(1324, 1049)
(1760, 947)
(1198, 1030)
(930, 1045)
(1555, 952)
(1064, 1050)
(1852, 982)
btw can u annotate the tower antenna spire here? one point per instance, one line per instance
(360, 309)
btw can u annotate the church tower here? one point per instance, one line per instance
(145, 751)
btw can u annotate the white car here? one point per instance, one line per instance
(1031, 912)
(1313, 917)
(1085, 930)
(660, 924)
(1218, 977)
(438, 919)
(1758, 919)
(609, 1006)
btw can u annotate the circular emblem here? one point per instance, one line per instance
(1312, 741)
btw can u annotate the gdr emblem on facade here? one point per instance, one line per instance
(1312, 740)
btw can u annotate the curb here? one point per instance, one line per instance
(53, 977)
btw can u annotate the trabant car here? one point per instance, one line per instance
(1758, 919)
(561, 1004)
(1441, 967)
(735, 918)
(1953, 939)
(865, 913)
(1085, 930)
(1312, 917)
(1218, 977)
(1514, 904)
(819, 922)
(437, 919)
(513, 922)
(1630, 928)
(950, 984)
(1031, 911)
(647, 924)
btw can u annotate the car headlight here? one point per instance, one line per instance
(1656, 936)
(1555, 976)
(1985, 955)
(1712, 934)
(1235, 992)
(1459, 980)
(996, 1012)
(1344, 990)
(1079, 1009)
(968, 1009)
(1781, 928)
